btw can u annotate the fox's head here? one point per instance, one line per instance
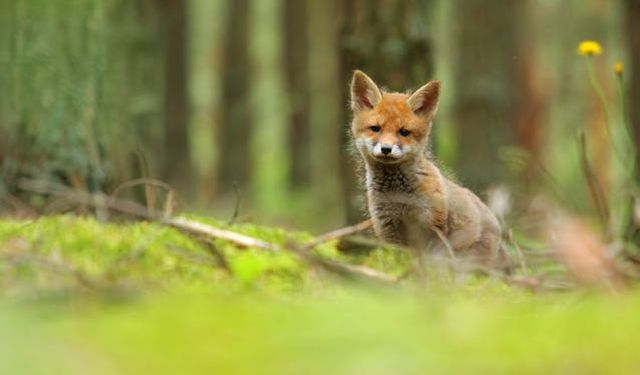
(391, 127)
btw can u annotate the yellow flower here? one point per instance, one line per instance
(618, 68)
(589, 48)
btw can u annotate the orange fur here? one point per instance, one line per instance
(408, 197)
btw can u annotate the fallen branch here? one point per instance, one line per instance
(206, 233)
(198, 228)
(138, 210)
(342, 269)
(100, 201)
(338, 233)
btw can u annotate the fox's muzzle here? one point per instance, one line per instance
(387, 150)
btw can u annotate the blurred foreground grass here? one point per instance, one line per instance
(153, 302)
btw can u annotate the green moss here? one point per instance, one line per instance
(144, 254)
(270, 313)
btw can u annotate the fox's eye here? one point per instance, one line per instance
(375, 128)
(404, 132)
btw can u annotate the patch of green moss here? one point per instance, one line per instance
(48, 253)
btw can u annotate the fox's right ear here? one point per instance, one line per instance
(364, 92)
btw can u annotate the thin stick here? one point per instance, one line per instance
(523, 262)
(141, 181)
(217, 254)
(597, 194)
(342, 269)
(198, 228)
(236, 207)
(150, 193)
(341, 232)
(446, 243)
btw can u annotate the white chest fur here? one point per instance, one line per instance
(400, 213)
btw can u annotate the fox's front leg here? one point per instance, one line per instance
(433, 189)
(440, 218)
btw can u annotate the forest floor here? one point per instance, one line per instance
(83, 296)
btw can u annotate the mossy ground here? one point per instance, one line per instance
(153, 300)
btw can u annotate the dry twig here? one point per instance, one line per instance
(236, 207)
(342, 269)
(446, 243)
(341, 232)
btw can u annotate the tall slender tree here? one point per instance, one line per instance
(486, 86)
(325, 120)
(270, 161)
(235, 120)
(297, 77)
(176, 161)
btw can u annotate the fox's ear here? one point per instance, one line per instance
(364, 92)
(424, 102)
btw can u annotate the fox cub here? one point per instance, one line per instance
(408, 197)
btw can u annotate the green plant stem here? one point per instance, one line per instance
(630, 184)
(598, 89)
(603, 101)
(595, 188)
(625, 121)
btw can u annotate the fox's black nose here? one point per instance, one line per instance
(385, 150)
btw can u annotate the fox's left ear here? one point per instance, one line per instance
(424, 102)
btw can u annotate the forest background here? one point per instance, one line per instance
(242, 105)
(167, 166)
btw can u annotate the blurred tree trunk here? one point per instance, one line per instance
(176, 162)
(269, 148)
(390, 41)
(531, 106)
(633, 34)
(325, 119)
(296, 70)
(487, 92)
(529, 122)
(234, 132)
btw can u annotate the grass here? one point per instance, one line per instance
(158, 310)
